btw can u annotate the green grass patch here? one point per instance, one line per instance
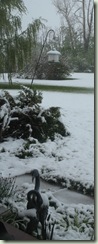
(48, 87)
(64, 89)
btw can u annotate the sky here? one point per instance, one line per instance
(41, 8)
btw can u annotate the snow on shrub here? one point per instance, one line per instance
(28, 119)
(6, 187)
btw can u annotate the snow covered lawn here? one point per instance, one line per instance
(79, 80)
(69, 159)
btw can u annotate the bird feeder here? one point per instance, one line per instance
(53, 55)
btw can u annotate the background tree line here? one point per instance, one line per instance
(19, 50)
(77, 32)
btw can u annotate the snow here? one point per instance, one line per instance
(54, 51)
(27, 212)
(80, 80)
(45, 200)
(70, 157)
(4, 112)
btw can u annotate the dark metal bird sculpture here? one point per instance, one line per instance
(38, 201)
(36, 176)
(4, 235)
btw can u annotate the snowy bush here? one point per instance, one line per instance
(4, 112)
(27, 118)
(67, 182)
(56, 71)
(28, 97)
(52, 70)
(6, 187)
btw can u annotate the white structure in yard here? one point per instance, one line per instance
(53, 55)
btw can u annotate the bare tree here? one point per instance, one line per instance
(85, 16)
(78, 18)
(66, 9)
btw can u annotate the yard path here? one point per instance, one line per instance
(63, 195)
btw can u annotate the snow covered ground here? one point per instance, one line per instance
(70, 158)
(80, 80)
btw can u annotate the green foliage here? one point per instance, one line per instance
(9, 5)
(28, 97)
(79, 60)
(49, 87)
(9, 98)
(11, 216)
(19, 52)
(15, 49)
(56, 71)
(2, 150)
(8, 21)
(9, 26)
(24, 154)
(80, 221)
(6, 187)
(8, 216)
(68, 182)
(28, 119)
(52, 124)
(52, 71)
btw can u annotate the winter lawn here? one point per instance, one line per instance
(80, 80)
(70, 158)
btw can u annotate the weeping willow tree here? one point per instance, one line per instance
(28, 43)
(15, 45)
(10, 24)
